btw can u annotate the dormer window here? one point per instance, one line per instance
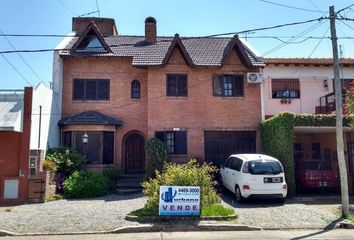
(91, 43)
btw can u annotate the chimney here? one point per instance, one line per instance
(150, 30)
(106, 26)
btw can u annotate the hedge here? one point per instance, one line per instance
(277, 136)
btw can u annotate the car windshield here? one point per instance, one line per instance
(265, 167)
(317, 166)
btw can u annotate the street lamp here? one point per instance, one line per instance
(84, 139)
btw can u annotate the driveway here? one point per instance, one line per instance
(272, 215)
(98, 214)
(108, 213)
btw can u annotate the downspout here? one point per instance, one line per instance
(262, 95)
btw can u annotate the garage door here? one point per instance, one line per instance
(218, 145)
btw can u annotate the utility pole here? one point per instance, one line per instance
(339, 117)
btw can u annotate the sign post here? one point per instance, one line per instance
(179, 200)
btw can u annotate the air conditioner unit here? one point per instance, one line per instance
(254, 77)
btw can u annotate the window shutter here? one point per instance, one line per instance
(66, 141)
(171, 85)
(180, 142)
(108, 148)
(160, 136)
(217, 85)
(78, 89)
(103, 89)
(91, 90)
(182, 85)
(238, 86)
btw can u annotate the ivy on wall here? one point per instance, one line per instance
(277, 136)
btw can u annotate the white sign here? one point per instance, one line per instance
(179, 200)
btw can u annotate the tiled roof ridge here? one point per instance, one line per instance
(181, 37)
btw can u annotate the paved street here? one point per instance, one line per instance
(271, 235)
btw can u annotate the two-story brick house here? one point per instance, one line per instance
(190, 92)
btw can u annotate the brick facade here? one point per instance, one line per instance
(155, 111)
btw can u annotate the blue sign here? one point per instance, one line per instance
(179, 200)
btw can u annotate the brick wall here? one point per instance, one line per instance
(200, 110)
(133, 112)
(155, 111)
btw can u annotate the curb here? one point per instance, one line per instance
(148, 219)
(149, 228)
(181, 228)
(4, 233)
(185, 228)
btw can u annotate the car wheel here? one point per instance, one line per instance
(238, 195)
(221, 185)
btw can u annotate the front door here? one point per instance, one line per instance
(134, 154)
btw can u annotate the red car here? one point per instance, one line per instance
(317, 175)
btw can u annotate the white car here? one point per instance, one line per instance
(254, 176)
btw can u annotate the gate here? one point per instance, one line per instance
(36, 189)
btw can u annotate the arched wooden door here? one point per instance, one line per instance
(134, 153)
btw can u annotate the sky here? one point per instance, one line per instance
(186, 17)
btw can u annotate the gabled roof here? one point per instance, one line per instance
(235, 44)
(90, 118)
(177, 43)
(198, 51)
(90, 29)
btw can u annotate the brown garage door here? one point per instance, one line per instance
(218, 145)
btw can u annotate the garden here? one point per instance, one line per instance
(72, 181)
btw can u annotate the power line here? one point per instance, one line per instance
(298, 35)
(98, 10)
(13, 66)
(67, 7)
(346, 24)
(313, 4)
(343, 9)
(268, 28)
(23, 60)
(319, 42)
(292, 7)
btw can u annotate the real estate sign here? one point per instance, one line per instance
(179, 200)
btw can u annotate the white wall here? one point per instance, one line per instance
(42, 96)
(311, 87)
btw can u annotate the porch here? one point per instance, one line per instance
(316, 162)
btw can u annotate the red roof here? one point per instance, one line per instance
(306, 61)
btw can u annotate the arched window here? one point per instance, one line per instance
(135, 91)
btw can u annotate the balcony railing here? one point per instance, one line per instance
(327, 104)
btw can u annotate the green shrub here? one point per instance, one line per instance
(49, 165)
(188, 174)
(277, 135)
(67, 160)
(158, 154)
(85, 185)
(112, 174)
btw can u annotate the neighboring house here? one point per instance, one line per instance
(42, 127)
(190, 92)
(15, 128)
(306, 86)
